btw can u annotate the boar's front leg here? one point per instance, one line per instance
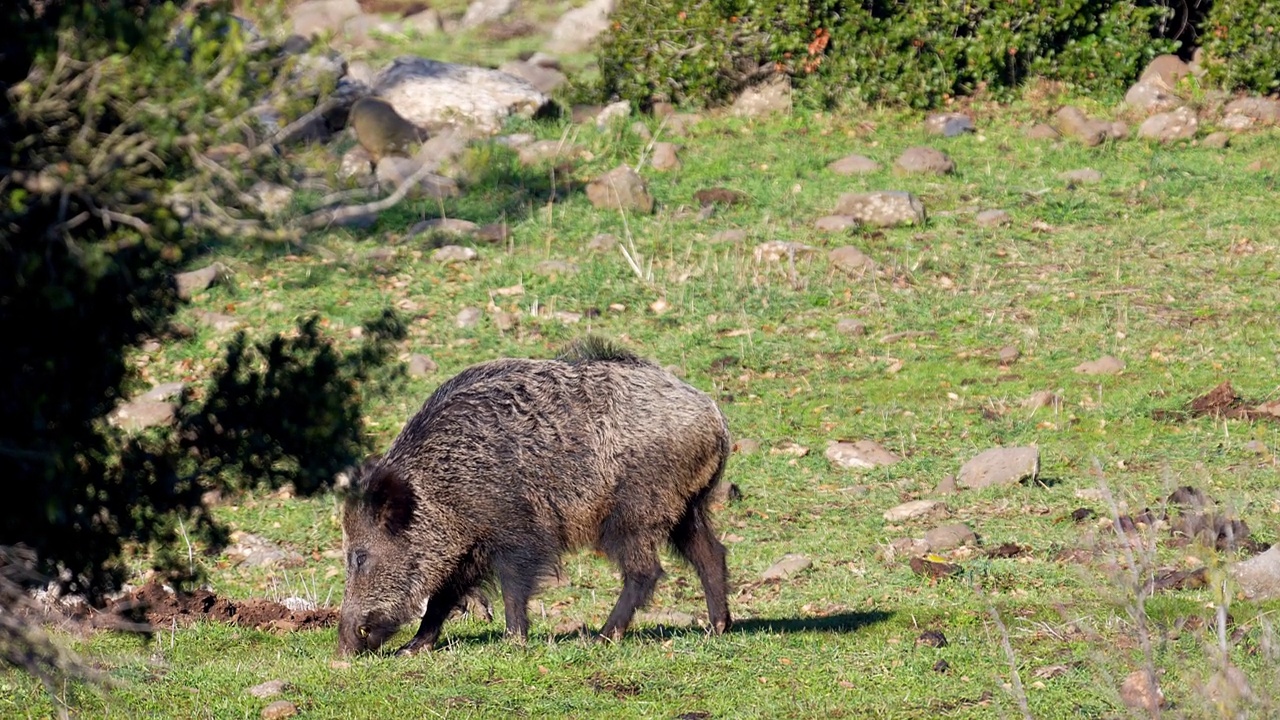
(438, 608)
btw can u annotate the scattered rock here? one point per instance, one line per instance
(913, 509)
(620, 189)
(941, 666)
(1180, 124)
(786, 447)
(1236, 122)
(1217, 140)
(946, 486)
(1041, 131)
(851, 327)
(577, 29)
(948, 124)
(356, 165)
(445, 226)
(640, 130)
(603, 242)
(667, 618)
(851, 260)
(268, 689)
(992, 218)
(1258, 109)
(922, 159)
(771, 96)
(315, 17)
(142, 414)
(613, 111)
(1105, 365)
(1141, 692)
(788, 566)
(1042, 398)
(834, 223)
(195, 281)
(542, 151)
(392, 172)
(421, 365)
(909, 547)
(950, 536)
(1006, 550)
(860, 454)
(1008, 355)
(272, 199)
(854, 165)
(931, 568)
(552, 268)
(505, 321)
(1258, 578)
(430, 93)
(1151, 96)
(453, 253)
(746, 446)
(279, 710)
(468, 318)
(664, 156)
(776, 250)
(882, 208)
(719, 196)
(217, 321)
(732, 235)
(482, 12)
(426, 22)
(1166, 69)
(254, 551)
(1072, 122)
(999, 466)
(932, 638)
(1083, 176)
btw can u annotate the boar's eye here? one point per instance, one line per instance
(357, 559)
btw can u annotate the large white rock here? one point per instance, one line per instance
(579, 27)
(430, 93)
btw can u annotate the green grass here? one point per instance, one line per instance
(1169, 263)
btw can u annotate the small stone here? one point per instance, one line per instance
(746, 446)
(854, 165)
(504, 321)
(882, 208)
(268, 689)
(941, 666)
(1257, 447)
(777, 250)
(665, 157)
(999, 466)
(1072, 122)
(1258, 578)
(217, 321)
(542, 151)
(1041, 398)
(732, 236)
(787, 447)
(552, 268)
(142, 414)
(946, 486)
(851, 260)
(1041, 131)
(908, 547)
(620, 189)
(947, 537)
(1141, 692)
(789, 565)
(1217, 140)
(1152, 97)
(861, 454)
(923, 159)
(493, 232)
(421, 365)
(279, 710)
(1180, 124)
(195, 281)
(468, 317)
(948, 124)
(932, 638)
(1083, 176)
(668, 618)
(566, 317)
(1105, 365)
(163, 391)
(851, 327)
(453, 253)
(603, 242)
(640, 130)
(834, 223)
(912, 510)
(272, 199)
(1008, 355)
(992, 218)
(445, 226)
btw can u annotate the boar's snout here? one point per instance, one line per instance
(359, 633)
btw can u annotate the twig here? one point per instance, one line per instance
(288, 132)
(324, 218)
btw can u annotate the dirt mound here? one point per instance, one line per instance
(155, 605)
(1222, 401)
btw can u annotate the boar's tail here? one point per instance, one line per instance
(596, 349)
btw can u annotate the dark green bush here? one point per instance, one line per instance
(1242, 44)
(912, 52)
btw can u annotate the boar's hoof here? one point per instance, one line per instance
(412, 648)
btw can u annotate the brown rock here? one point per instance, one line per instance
(947, 537)
(999, 466)
(1141, 692)
(948, 124)
(922, 159)
(882, 208)
(1180, 124)
(1167, 69)
(863, 454)
(1073, 123)
(664, 157)
(1105, 365)
(279, 710)
(834, 223)
(992, 218)
(620, 189)
(854, 165)
(851, 260)
(1041, 131)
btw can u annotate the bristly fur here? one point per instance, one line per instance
(592, 348)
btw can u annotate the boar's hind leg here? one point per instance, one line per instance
(695, 540)
(637, 558)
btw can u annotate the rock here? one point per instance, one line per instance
(555, 267)
(505, 321)
(421, 365)
(272, 199)
(577, 29)
(882, 208)
(948, 124)
(442, 149)
(279, 710)
(909, 547)
(1259, 109)
(1008, 355)
(142, 414)
(613, 111)
(356, 164)
(1105, 365)
(947, 537)
(566, 317)
(788, 566)
(1258, 578)
(217, 321)
(834, 223)
(445, 226)
(664, 156)
(360, 72)
(999, 466)
(992, 218)
(719, 196)
(1072, 122)
(1236, 122)
(668, 618)
(1150, 96)
(1181, 124)
(426, 22)
(297, 604)
(922, 159)
(394, 171)
(468, 318)
(1041, 131)
(776, 250)
(453, 253)
(163, 391)
(861, 454)
(547, 150)
(254, 551)
(195, 281)
(852, 327)
(1083, 176)
(1216, 141)
(363, 30)
(483, 12)
(640, 130)
(430, 93)
(746, 446)
(946, 486)
(851, 260)
(732, 235)
(268, 689)
(315, 17)
(772, 96)
(854, 165)
(1166, 69)
(1141, 692)
(603, 242)
(620, 189)
(912, 510)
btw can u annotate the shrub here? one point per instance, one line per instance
(1242, 45)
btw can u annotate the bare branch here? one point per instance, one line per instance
(324, 218)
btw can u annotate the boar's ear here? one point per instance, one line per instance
(391, 499)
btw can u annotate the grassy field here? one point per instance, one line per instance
(1169, 263)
